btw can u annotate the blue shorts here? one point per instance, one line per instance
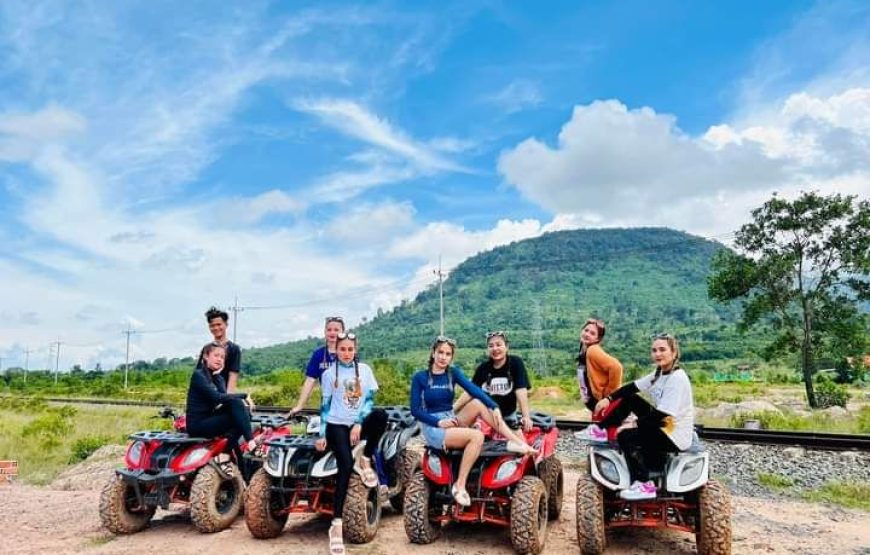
(434, 435)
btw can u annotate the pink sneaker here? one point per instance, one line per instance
(638, 491)
(591, 432)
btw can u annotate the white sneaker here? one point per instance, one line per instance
(591, 432)
(638, 491)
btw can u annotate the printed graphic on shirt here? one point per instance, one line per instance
(352, 393)
(498, 386)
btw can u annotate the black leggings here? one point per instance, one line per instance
(338, 441)
(232, 419)
(645, 446)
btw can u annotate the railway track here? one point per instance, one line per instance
(808, 440)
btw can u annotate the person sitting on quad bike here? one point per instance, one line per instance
(598, 375)
(322, 358)
(347, 415)
(667, 427)
(504, 378)
(211, 411)
(432, 394)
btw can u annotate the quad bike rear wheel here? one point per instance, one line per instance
(550, 471)
(119, 511)
(589, 500)
(419, 527)
(263, 507)
(405, 464)
(215, 502)
(714, 520)
(362, 511)
(529, 516)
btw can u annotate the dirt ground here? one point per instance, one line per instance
(40, 520)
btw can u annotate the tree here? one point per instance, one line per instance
(802, 267)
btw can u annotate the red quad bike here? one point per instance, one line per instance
(687, 500)
(515, 491)
(163, 467)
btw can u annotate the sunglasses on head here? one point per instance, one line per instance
(338, 319)
(661, 336)
(445, 339)
(346, 335)
(499, 333)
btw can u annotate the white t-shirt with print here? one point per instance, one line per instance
(348, 398)
(672, 395)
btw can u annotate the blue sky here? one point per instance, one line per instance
(157, 158)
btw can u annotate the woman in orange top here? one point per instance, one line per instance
(598, 374)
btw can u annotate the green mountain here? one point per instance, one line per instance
(540, 291)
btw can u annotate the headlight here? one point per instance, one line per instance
(273, 459)
(506, 469)
(434, 465)
(691, 472)
(134, 452)
(331, 463)
(194, 457)
(607, 469)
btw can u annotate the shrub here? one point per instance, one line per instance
(829, 393)
(84, 447)
(51, 426)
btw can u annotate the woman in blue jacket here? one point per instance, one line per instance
(432, 395)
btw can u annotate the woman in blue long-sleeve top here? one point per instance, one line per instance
(432, 395)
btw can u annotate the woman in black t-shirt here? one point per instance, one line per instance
(503, 376)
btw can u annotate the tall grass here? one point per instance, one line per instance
(44, 439)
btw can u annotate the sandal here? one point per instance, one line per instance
(461, 496)
(368, 475)
(521, 448)
(336, 541)
(369, 478)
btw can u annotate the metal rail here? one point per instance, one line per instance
(809, 440)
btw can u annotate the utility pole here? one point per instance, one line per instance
(128, 332)
(26, 362)
(57, 361)
(236, 309)
(440, 275)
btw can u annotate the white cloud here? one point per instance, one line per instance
(270, 202)
(23, 134)
(371, 225)
(354, 120)
(619, 165)
(517, 95)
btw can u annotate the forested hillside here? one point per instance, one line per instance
(541, 290)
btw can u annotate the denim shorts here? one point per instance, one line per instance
(434, 435)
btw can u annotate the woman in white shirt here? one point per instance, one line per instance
(666, 426)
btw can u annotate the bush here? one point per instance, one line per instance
(829, 393)
(84, 447)
(50, 427)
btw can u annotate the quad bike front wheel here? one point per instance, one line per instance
(362, 511)
(550, 471)
(215, 502)
(589, 500)
(714, 520)
(529, 516)
(263, 507)
(419, 527)
(119, 510)
(405, 465)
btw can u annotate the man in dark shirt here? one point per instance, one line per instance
(217, 324)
